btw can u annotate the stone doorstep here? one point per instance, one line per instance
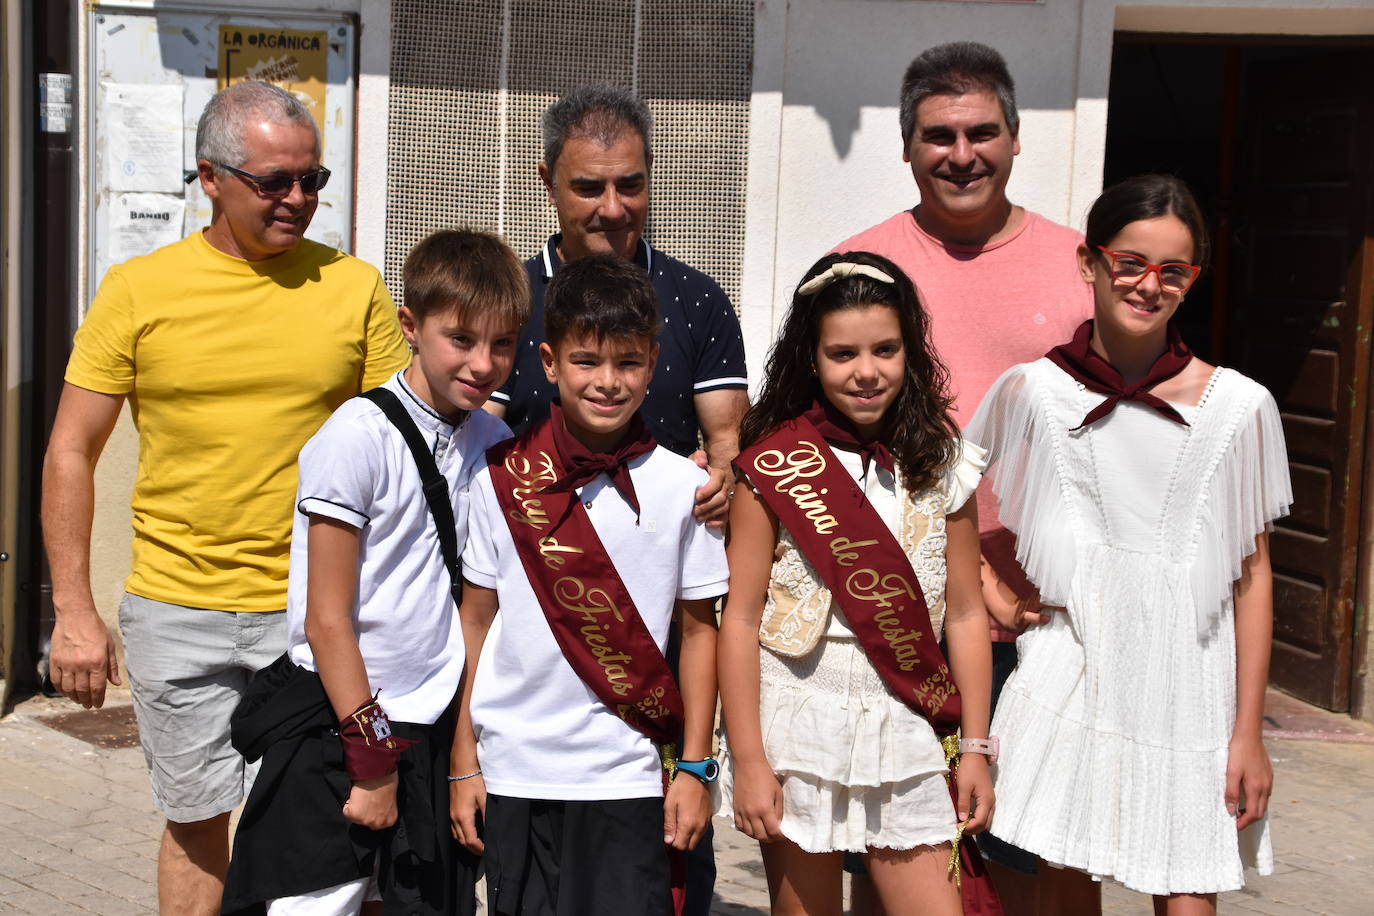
(1289, 717)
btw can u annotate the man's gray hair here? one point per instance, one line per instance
(230, 112)
(598, 111)
(957, 68)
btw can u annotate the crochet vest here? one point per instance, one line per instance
(797, 609)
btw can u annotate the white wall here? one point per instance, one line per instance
(825, 157)
(374, 87)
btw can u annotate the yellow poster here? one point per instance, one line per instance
(295, 60)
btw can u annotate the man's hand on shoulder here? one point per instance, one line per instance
(82, 656)
(712, 497)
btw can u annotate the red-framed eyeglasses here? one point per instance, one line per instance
(1174, 276)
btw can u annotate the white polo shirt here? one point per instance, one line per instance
(358, 470)
(541, 732)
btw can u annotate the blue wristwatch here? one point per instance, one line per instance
(707, 770)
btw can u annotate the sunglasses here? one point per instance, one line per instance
(1174, 276)
(278, 184)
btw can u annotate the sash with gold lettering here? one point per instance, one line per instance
(585, 601)
(871, 578)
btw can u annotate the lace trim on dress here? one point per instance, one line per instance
(1247, 489)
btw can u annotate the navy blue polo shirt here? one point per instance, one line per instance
(701, 349)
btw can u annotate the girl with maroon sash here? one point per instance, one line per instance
(854, 542)
(1140, 483)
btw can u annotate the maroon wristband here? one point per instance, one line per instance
(370, 749)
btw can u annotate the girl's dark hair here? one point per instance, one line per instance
(602, 295)
(1146, 197)
(920, 433)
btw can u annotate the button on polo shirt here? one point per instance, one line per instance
(700, 349)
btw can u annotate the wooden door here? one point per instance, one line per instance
(1299, 322)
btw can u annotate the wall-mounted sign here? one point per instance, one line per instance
(297, 61)
(151, 73)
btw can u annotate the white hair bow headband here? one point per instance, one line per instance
(838, 270)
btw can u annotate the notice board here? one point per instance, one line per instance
(152, 71)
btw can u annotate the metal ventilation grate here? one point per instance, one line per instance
(470, 79)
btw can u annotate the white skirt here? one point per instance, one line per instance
(859, 769)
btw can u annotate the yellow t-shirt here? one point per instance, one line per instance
(230, 366)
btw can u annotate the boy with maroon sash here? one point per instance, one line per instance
(582, 553)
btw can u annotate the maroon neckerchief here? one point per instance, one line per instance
(581, 465)
(1083, 364)
(871, 578)
(839, 430)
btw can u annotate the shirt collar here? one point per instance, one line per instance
(644, 256)
(426, 418)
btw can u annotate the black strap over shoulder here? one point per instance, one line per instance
(434, 484)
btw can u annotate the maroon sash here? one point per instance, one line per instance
(590, 611)
(872, 580)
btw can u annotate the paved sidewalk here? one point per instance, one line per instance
(80, 833)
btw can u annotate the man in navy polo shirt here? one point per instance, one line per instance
(596, 173)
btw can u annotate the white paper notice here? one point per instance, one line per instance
(139, 223)
(143, 139)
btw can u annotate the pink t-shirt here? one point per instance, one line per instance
(990, 307)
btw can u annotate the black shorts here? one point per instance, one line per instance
(576, 858)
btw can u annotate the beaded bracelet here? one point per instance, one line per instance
(468, 776)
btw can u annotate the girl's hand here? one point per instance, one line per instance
(758, 801)
(1011, 612)
(1249, 780)
(467, 805)
(686, 811)
(1029, 612)
(371, 803)
(975, 793)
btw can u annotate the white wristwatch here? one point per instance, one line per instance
(987, 746)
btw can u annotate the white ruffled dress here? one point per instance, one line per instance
(859, 769)
(1116, 723)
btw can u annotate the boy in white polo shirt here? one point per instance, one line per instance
(581, 534)
(354, 723)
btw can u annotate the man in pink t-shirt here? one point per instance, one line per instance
(1001, 284)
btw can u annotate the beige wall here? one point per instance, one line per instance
(111, 530)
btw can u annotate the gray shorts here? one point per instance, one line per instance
(187, 669)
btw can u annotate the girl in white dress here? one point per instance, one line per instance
(822, 756)
(1141, 483)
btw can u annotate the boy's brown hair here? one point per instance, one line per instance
(467, 272)
(603, 296)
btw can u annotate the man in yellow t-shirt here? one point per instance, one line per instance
(232, 346)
